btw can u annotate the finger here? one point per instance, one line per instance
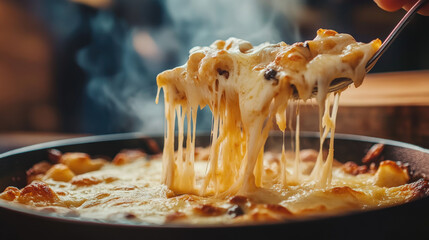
(423, 10)
(391, 5)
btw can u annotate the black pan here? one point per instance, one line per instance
(407, 221)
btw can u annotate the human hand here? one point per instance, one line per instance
(393, 5)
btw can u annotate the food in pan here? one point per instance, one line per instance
(129, 190)
(234, 180)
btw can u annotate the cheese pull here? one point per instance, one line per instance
(247, 89)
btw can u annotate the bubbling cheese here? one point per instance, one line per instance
(247, 89)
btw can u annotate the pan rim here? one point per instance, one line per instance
(135, 135)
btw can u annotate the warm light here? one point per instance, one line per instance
(95, 3)
(145, 45)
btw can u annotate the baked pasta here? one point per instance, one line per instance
(129, 189)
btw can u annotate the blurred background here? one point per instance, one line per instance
(89, 66)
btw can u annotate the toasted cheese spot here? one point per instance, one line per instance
(83, 180)
(81, 162)
(346, 191)
(355, 169)
(326, 32)
(59, 172)
(127, 156)
(10, 193)
(209, 210)
(38, 193)
(389, 174)
(276, 208)
(175, 217)
(263, 216)
(420, 188)
(313, 210)
(235, 211)
(37, 171)
(268, 213)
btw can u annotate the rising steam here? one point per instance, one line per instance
(123, 60)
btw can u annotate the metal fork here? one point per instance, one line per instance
(341, 83)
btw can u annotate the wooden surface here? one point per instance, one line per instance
(27, 87)
(390, 89)
(387, 105)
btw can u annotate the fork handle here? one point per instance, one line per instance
(395, 32)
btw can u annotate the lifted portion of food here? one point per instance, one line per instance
(129, 190)
(248, 88)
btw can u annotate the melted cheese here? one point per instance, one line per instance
(247, 88)
(132, 193)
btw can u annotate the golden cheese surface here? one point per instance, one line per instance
(131, 191)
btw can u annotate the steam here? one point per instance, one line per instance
(123, 60)
(202, 22)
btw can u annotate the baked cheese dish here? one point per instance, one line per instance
(248, 90)
(129, 190)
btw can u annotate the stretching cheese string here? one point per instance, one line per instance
(246, 95)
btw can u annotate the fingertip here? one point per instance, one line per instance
(390, 5)
(423, 10)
